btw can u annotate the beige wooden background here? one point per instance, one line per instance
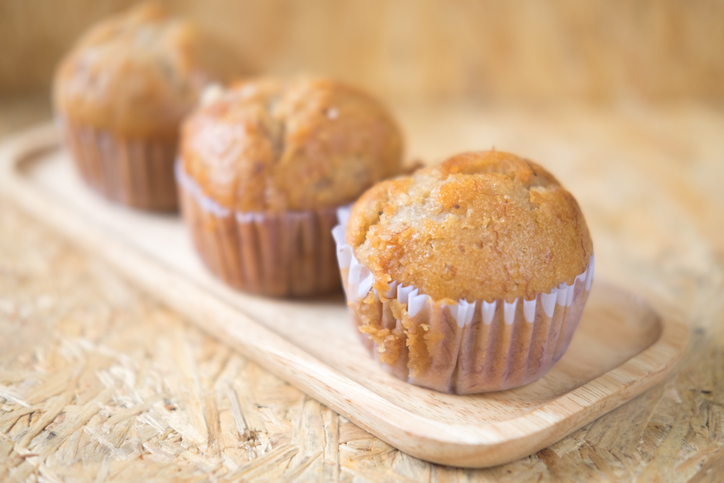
(521, 50)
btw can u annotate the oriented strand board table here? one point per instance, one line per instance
(123, 389)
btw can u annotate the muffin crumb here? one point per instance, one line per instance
(480, 226)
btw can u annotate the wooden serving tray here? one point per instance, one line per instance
(622, 346)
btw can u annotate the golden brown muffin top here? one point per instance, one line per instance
(480, 226)
(136, 74)
(304, 144)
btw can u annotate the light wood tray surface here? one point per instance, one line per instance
(622, 346)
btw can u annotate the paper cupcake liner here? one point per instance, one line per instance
(134, 172)
(465, 348)
(276, 254)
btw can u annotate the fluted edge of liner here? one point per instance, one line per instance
(134, 172)
(289, 254)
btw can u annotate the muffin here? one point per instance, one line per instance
(264, 165)
(119, 97)
(467, 277)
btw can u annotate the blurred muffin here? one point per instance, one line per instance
(467, 277)
(263, 168)
(119, 97)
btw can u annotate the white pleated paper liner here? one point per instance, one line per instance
(135, 172)
(467, 347)
(287, 254)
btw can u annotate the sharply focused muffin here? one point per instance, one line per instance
(263, 167)
(469, 276)
(120, 95)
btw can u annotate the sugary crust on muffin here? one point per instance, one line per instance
(268, 145)
(480, 226)
(135, 74)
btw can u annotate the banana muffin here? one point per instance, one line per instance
(263, 167)
(467, 277)
(119, 97)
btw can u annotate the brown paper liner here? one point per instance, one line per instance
(288, 254)
(433, 350)
(134, 172)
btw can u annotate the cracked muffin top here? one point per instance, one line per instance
(138, 73)
(480, 226)
(272, 146)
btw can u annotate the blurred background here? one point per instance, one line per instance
(484, 51)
